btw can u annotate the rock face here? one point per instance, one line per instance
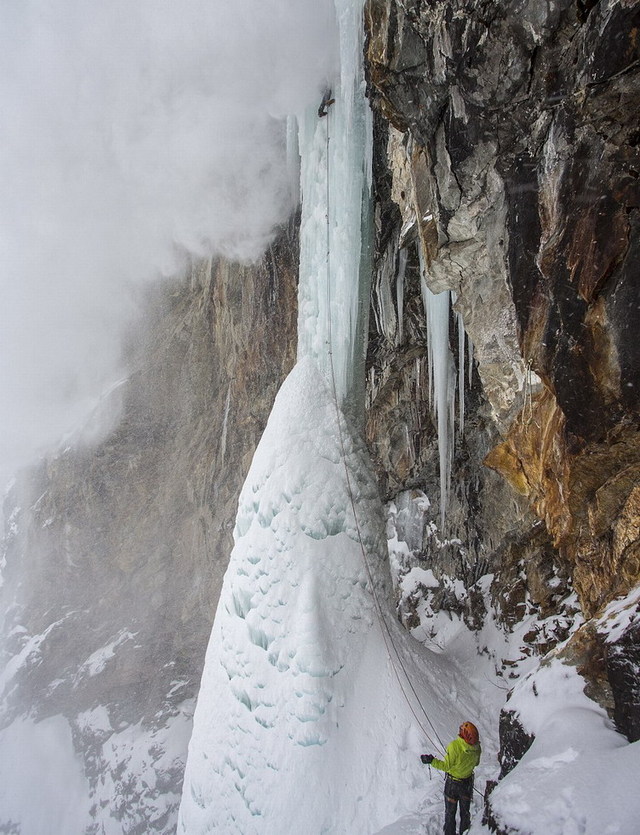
(618, 631)
(115, 561)
(508, 160)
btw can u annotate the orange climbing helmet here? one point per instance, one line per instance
(469, 733)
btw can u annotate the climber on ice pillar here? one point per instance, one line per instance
(462, 756)
(326, 103)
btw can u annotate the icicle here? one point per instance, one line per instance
(402, 268)
(470, 360)
(437, 310)
(425, 305)
(461, 375)
(461, 348)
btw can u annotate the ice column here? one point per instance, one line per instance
(335, 153)
(442, 376)
(442, 381)
(402, 269)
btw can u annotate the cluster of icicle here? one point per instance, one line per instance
(444, 379)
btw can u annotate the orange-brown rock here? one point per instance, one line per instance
(589, 496)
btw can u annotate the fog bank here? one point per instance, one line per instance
(134, 136)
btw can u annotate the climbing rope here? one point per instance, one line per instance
(394, 657)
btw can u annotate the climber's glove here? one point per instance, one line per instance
(426, 758)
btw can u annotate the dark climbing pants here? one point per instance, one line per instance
(457, 792)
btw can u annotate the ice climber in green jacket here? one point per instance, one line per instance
(462, 756)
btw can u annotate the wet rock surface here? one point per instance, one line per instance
(514, 741)
(518, 137)
(623, 669)
(618, 630)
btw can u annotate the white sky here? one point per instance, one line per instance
(131, 134)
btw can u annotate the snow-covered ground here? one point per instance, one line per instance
(303, 722)
(579, 776)
(48, 788)
(88, 770)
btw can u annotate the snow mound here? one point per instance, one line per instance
(299, 727)
(579, 775)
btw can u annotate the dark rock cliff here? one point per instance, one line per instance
(507, 143)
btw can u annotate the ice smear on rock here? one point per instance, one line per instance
(298, 717)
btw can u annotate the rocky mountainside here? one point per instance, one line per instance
(508, 164)
(116, 551)
(506, 167)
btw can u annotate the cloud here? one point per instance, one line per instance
(132, 134)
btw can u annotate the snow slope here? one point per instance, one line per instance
(301, 725)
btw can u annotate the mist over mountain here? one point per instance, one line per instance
(338, 414)
(135, 139)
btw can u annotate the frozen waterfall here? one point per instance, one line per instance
(282, 740)
(335, 150)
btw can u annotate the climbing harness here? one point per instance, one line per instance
(325, 104)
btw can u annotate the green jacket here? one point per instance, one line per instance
(460, 759)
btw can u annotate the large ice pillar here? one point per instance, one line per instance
(442, 378)
(441, 382)
(298, 727)
(335, 271)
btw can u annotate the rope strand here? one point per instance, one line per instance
(386, 633)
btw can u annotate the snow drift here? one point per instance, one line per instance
(298, 719)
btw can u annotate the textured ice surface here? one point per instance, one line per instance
(299, 716)
(333, 295)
